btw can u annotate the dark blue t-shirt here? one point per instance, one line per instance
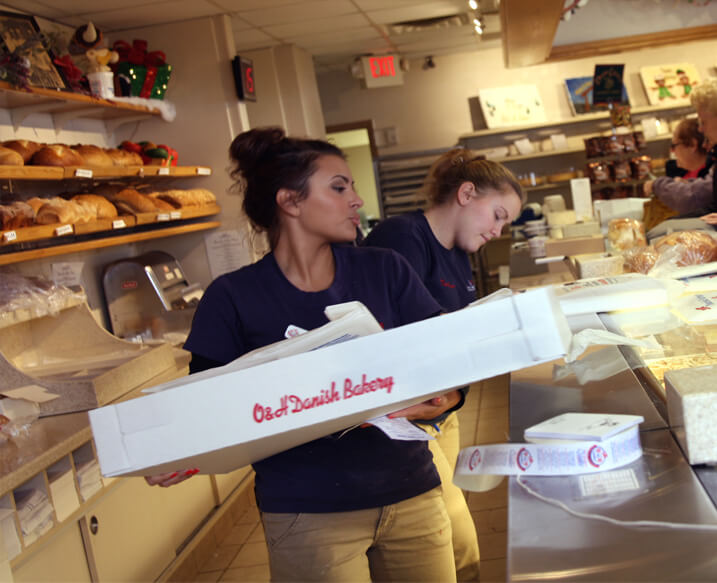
(446, 273)
(253, 307)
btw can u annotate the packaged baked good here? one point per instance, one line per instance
(599, 172)
(97, 205)
(640, 259)
(628, 142)
(697, 247)
(639, 140)
(621, 170)
(26, 148)
(625, 233)
(56, 155)
(613, 145)
(640, 167)
(593, 147)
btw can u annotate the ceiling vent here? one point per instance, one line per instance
(429, 24)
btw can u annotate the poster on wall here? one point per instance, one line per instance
(669, 84)
(580, 96)
(511, 106)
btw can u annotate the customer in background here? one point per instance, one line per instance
(704, 98)
(470, 201)
(355, 505)
(689, 190)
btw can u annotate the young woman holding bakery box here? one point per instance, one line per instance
(470, 200)
(356, 505)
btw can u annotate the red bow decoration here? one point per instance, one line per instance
(72, 73)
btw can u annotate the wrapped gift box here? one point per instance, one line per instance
(225, 418)
(142, 80)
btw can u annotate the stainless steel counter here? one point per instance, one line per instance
(547, 542)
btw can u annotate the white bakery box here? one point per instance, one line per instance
(228, 417)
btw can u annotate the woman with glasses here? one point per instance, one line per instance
(470, 201)
(686, 189)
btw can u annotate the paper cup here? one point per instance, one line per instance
(102, 84)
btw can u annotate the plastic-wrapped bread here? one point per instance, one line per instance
(697, 247)
(625, 233)
(131, 201)
(98, 206)
(9, 157)
(59, 210)
(93, 156)
(56, 155)
(16, 214)
(26, 148)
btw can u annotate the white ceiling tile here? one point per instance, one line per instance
(245, 5)
(150, 14)
(339, 36)
(293, 13)
(419, 12)
(252, 39)
(317, 26)
(32, 7)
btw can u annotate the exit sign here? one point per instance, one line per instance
(381, 71)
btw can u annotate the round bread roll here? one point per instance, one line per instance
(56, 155)
(97, 205)
(26, 148)
(9, 157)
(93, 155)
(696, 247)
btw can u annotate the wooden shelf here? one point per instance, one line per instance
(76, 247)
(62, 173)
(65, 105)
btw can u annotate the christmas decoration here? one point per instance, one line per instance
(141, 73)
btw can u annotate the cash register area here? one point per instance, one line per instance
(237, 551)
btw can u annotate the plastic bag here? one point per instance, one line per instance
(37, 295)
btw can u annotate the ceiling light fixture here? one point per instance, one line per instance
(477, 16)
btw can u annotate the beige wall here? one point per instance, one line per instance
(359, 159)
(431, 110)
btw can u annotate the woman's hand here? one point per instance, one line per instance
(431, 408)
(647, 187)
(710, 219)
(170, 478)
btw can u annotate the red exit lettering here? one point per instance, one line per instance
(382, 67)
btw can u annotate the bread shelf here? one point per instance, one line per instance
(62, 173)
(65, 105)
(106, 241)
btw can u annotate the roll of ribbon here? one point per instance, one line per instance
(477, 466)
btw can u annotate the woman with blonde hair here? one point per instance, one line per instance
(470, 201)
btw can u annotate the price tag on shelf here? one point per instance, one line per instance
(63, 230)
(163, 171)
(8, 236)
(203, 171)
(163, 217)
(118, 224)
(174, 215)
(83, 173)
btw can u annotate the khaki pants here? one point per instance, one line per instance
(445, 450)
(407, 541)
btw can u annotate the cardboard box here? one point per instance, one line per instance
(574, 246)
(692, 410)
(586, 229)
(597, 265)
(225, 418)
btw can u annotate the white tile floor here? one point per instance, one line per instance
(241, 554)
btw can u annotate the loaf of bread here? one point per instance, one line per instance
(9, 157)
(625, 233)
(162, 205)
(124, 158)
(56, 155)
(131, 201)
(36, 203)
(695, 247)
(59, 210)
(98, 206)
(182, 198)
(93, 156)
(26, 148)
(16, 214)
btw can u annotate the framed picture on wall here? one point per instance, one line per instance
(580, 96)
(511, 106)
(20, 34)
(669, 84)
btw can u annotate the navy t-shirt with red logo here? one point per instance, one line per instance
(446, 273)
(254, 306)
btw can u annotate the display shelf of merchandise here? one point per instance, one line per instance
(62, 173)
(65, 105)
(106, 241)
